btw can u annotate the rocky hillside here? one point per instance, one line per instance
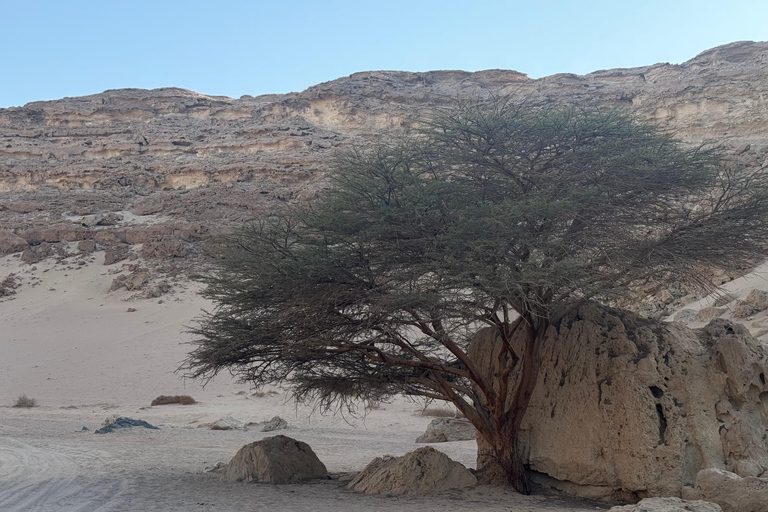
(160, 171)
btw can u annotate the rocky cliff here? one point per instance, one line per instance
(171, 166)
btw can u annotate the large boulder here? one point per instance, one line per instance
(423, 471)
(275, 460)
(10, 242)
(441, 430)
(668, 505)
(732, 492)
(627, 408)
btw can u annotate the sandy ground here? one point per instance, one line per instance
(75, 348)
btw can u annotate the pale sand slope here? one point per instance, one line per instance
(78, 346)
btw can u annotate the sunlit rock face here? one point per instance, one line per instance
(627, 407)
(186, 164)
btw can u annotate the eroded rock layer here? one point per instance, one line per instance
(172, 167)
(627, 407)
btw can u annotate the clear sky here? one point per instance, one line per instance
(56, 48)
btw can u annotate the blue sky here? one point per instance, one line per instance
(52, 49)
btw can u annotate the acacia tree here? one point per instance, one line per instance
(491, 215)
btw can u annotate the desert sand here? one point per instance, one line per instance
(75, 348)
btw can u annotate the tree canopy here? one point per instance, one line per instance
(491, 214)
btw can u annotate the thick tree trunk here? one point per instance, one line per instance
(504, 439)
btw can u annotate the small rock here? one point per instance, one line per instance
(227, 423)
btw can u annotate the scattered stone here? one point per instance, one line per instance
(113, 256)
(686, 316)
(86, 246)
(9, 285)
(732, 492)
(669, 505)
(164, 249)
(276, 423)
(707, 314)
(219, 467)
(441, 430)
(123, 423)
(133, 281)
(36, 253)
(131, 310)
(227, 423)
(423, 471)
(275, 460)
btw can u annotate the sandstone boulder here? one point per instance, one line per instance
(686, 316)
(441, 430)
(710, 313)
(627, 407)
(86, 246)
(668, 505)
(732, 492)
(423, 471)
(113, 256)
(275, 460)
(36, 253)
(10, 242)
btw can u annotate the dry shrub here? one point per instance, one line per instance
(176, 399)
(25, 401)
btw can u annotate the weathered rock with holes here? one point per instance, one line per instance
(275, 460)
(627, 407)
(669, 505)
(732, 492)
(441, 430)
(423, 471)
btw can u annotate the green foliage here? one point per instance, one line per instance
(493, 215)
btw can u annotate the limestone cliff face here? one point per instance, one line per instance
(173, 157)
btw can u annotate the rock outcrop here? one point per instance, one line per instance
(669, 505)
(627, 408)
(169, 167)
(732, 492)
(423, 471)
(442, 430)
(275, 460)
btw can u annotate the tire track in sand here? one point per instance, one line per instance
(50, 479)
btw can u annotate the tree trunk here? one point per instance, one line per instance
(504, 440)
